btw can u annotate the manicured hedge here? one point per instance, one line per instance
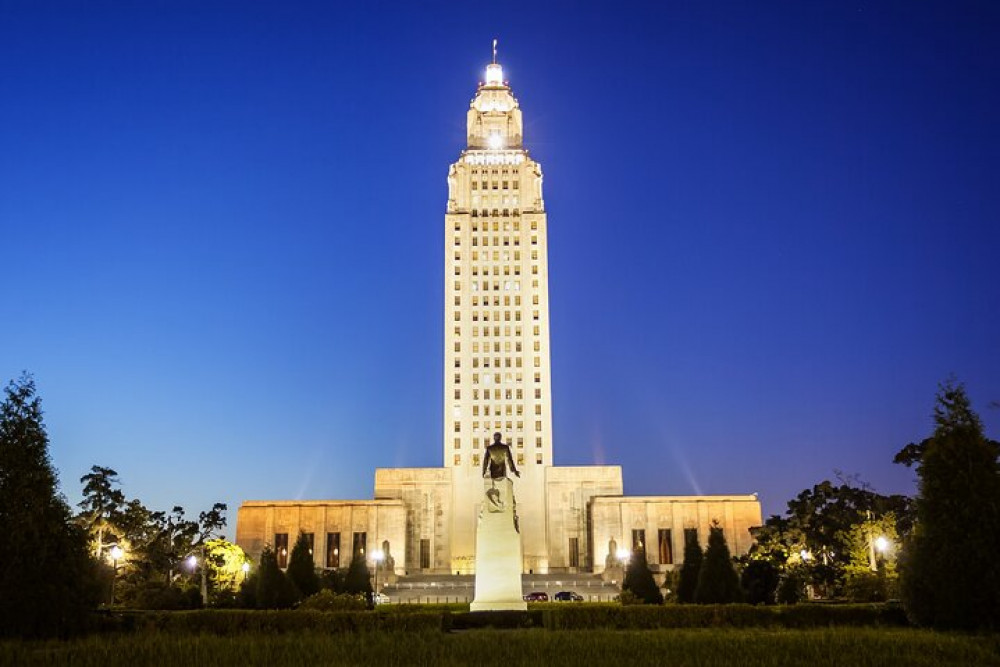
(240, 621)
(644, 617)
(566, 616)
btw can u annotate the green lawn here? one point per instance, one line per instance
(702, 647)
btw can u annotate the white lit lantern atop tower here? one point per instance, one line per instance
(494, 75)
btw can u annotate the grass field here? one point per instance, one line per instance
(680, 648)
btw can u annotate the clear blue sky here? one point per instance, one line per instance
(774, 228)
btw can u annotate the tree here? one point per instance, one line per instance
(301, 569)
(688, 582)
(759, 581)
(274, 589)
(949, 577)
(102, 504)
(639, 579)
(358, 579)
(225, 562)
(717, 581)
(47, 582)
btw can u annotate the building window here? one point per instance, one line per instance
(333, 550)
(690, 535)
(520, 459)
(311, 540)
(666, 550)
(638, 540)
(538, 459)
(281, 549)
(360, 542)
(458, 427)
(538, 443)
(425, 554)
(475, 460)
(458, 459)
(574, 552)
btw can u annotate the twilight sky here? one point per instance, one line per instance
(774, 228)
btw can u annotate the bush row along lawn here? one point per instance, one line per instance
(551, 617)
(681, 648)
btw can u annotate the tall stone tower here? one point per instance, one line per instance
(497, 374)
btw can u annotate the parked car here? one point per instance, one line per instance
(537, 596)
(568, 596)
(380, 598)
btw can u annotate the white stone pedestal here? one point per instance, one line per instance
(498, 551)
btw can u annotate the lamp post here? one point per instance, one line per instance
(378, 556)
(246, 570)
(116, 553)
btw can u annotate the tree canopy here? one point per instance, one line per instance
(47, 582)
(949, 574)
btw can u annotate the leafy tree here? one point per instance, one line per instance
(47, 579)
(870, 574)
(225, 562)
(949, 574)
(333, 581)
(690, 570)
(274, 589)
(301, 569)
(759, 581)
(101, 505)
(717, 580)
(358, 578)
(791, 586)
(639, 579)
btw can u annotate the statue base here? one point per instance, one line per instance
(498, 551)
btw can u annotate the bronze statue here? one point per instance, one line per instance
(497, 458)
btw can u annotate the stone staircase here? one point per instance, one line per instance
(430, 588)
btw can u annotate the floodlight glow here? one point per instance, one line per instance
(116, 552)
(805, 555)
(378, 555)
(494, 75)
(496, 141)
(623, 554)
(245, 567)
(192, 562)
(881, 543)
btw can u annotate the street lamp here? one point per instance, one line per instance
(246, 570)
(116, 554)
(805, 556)
(378, 556)
(623, 555)
(882, 544)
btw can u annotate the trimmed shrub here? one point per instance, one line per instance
(358, 579)
(759, 581)
(330, 601)
(274, 589)
(301, 570)
(687, 582)
(639, 580)
(718, 582)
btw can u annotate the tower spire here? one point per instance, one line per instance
(494, 50)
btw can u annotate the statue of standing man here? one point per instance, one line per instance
(498, 457)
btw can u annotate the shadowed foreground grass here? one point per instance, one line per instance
(708, 647)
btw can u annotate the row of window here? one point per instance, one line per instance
(535, 330)
(664, 543)
(475, 461)
(457, 316)
(495, 225)
(485, 362)
(495, 378)
(499, 425)
(495, 395)
(333, 560)
(518, 441)
(496, 185)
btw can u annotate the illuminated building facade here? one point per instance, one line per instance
(497, 379)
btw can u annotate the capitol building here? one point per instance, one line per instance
(496, 379)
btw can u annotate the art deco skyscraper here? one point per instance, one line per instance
(497, 373)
